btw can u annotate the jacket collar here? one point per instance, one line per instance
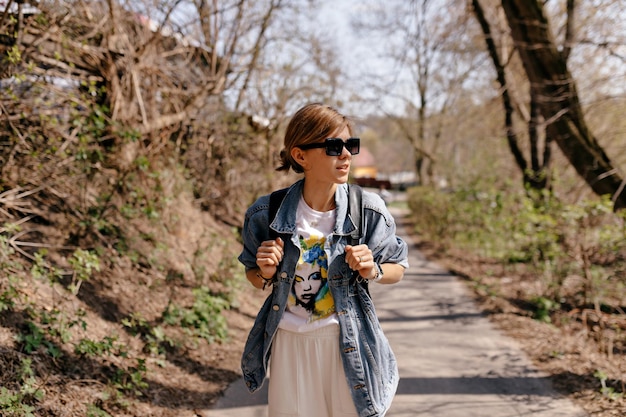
(285, 220)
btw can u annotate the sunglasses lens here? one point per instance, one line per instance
(353, 146)
(334, 147)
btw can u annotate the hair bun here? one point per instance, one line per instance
(285, 162)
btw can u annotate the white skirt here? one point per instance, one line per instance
(306, 377)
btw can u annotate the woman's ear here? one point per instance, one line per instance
(299, 156)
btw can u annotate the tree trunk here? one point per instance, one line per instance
(538, 176)
(546, 69)
(501, 76)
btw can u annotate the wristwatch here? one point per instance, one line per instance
(379, 273)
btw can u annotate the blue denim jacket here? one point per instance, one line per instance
(369, 363)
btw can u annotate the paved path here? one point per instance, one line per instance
(453, 362)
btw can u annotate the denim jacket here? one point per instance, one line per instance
(369, 363)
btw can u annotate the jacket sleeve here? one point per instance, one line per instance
(380, 233)
(255, 231)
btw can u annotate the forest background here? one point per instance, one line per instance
(134, 134)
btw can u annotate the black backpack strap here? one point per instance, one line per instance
(355, 208)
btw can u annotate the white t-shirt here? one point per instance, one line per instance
(310, 304)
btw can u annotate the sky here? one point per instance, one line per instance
(361, 53)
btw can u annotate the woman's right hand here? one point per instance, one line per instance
(269, 255)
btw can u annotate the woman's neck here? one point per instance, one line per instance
(319, 197)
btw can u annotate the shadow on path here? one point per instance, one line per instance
(238, 396)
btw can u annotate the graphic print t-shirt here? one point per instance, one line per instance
(310, 304)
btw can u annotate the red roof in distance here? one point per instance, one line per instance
(364, 158)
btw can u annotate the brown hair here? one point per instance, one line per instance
(312, 123)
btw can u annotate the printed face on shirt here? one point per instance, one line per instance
(306, 289)
(310, 295)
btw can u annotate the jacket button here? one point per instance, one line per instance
(283, 274)
(275, 307)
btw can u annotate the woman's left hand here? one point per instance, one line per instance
(360, 259)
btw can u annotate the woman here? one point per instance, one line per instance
(329, 356)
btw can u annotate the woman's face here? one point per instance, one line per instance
(330, 169)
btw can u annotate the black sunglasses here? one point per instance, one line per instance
(334, 146)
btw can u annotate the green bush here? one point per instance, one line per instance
(19, 402)
(204, 318)
(555, 241)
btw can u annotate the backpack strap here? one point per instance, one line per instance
(355, 208)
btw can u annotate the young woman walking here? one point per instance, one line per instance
(318, 331)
